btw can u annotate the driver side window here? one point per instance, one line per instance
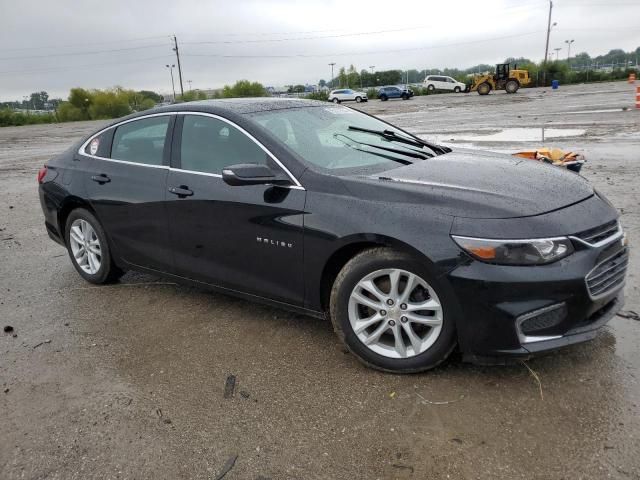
(208, 145)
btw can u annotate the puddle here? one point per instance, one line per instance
(514, 135)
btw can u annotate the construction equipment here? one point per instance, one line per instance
(505, 78)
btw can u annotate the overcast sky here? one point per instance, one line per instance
(55, 45)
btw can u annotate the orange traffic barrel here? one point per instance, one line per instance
(632, 77)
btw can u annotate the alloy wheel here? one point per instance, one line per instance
(85, 246)
(395, 313)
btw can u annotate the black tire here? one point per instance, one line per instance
(405, 96)
(457, 90)
(335, 100)
(108, 271)
(512, 86)
(431, 88)
(484, 89)
(357, 268)
(358, 99)
(384, 98)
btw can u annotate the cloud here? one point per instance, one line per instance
(57, 45)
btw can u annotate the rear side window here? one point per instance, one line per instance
(141, 141)
(208, 145)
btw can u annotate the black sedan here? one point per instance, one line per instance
(408, 247)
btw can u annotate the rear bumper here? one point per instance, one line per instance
(50, 209)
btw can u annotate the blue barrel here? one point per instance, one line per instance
(555, 84)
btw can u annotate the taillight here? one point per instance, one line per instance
(41, 173)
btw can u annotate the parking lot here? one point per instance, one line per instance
(128, 380)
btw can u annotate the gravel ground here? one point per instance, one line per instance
(127, 381)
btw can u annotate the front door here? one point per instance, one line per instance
(126, 172)
(246, 238)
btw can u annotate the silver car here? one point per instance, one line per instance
(347, 95)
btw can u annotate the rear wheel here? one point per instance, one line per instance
(358, 99)
(484, 88)
(335, 100)
(388, 309)
(88, 248)
(512, 86)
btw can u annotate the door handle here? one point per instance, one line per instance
(182, 191)
(101, 179)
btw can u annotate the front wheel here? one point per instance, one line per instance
(405, 96)
(390, 311)
(457, 90)
(358, 99)
(335, 100)
(484, 89)
(431, 88)
(88, 248)
(512, 86)
(384, 98)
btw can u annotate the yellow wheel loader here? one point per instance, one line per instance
(505, 78)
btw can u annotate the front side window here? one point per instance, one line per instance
(208, 145)
(141, 141)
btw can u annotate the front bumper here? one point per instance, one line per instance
(495, 300)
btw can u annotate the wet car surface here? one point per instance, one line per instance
(131, 382)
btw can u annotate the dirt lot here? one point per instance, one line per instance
(127, 381)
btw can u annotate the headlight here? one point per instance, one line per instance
(516, 252)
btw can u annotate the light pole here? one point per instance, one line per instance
(569, 42)
(372, 79)
(173, 86)
(332, 65)
(189, 82)
(557, 49)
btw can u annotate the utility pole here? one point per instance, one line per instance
(175, 49)
(332, 64)
(546, 48)
(173, 86)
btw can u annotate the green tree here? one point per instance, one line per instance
(110, 104)
(244, 88)
(81, 99)
(67, 112)
(343, 80)
(156, 97)
(353, 77)
(298, 89)
(322, 83)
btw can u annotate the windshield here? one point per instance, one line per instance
(325, 137)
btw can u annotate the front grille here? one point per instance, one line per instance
(598, 234)
(608, 275)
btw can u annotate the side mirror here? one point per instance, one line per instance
(251, 174)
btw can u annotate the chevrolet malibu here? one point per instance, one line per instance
(410, 248)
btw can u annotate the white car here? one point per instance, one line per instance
(347, 95)
(440, 82)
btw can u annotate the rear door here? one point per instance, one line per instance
(125, 172)
(246, 238)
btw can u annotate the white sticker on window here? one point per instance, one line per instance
(93, 146)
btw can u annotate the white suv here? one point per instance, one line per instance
(440, 82)
(347, 95)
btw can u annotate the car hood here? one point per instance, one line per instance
(475, 184)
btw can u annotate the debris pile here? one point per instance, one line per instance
(570, 160)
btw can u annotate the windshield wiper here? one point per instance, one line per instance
(356, 146)
(393, 136)
(409, 152)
